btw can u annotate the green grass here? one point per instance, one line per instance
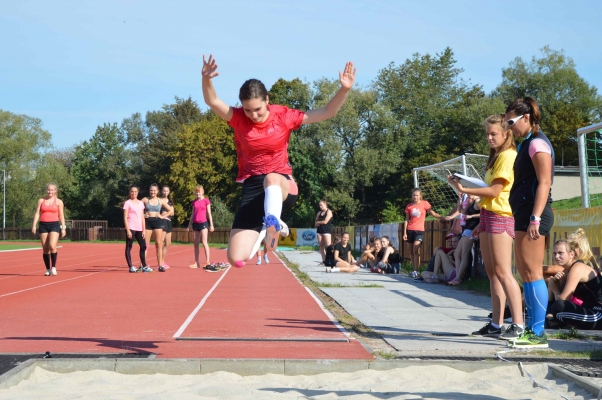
(591, 354)
(567, 204)
(387, 355)
(571, 334)
(341, 285)
(15, 246)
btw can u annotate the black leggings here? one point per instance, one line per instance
(578, 316)
(128, 248)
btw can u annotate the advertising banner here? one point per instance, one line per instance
(290, 240)
(307, 237)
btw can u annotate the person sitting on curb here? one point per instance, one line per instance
(444, 262)
(343, 257)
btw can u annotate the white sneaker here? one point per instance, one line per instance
(258, 260)
(47, 273)
(266, 259)
(53, 271)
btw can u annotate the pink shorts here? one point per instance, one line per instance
(495, 224)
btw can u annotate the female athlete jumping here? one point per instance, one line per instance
(261, 134)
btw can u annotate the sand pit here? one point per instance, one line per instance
(423, 382)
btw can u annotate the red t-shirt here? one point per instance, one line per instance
(263, 148)
(417, 213)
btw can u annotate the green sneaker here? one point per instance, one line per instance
(529, 340)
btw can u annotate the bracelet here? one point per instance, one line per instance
(534, 222)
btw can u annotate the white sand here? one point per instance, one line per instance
(428, 382)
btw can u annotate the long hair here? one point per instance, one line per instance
(579, 243)
(509, 143)
(527, 106)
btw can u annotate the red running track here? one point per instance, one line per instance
(94, 305)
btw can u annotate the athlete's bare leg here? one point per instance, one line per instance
(240, 245)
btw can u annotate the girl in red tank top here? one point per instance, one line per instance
(261, 134)
(49, 212)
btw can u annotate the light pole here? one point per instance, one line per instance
(4, 205)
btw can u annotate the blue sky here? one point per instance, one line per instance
(78, 64)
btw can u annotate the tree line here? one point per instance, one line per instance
(416, 113)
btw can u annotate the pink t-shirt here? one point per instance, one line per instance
(199, 210)
(263, 148)
(417, 213)
(135, 214)
(538, 146)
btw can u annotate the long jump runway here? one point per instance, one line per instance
(94, 305)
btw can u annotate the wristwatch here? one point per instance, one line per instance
(535, 218)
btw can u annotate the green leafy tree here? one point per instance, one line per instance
(566, 100)
(203, 154)
(27, 156)
(102, 172)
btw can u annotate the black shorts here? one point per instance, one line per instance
(415, 236)
(167, 227)
(153, 223)
(250, 210)
(47, 227)
(199, 226)
(522, 219)
(324, 229)
(330, 263)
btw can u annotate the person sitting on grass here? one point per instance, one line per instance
(329, 260)
(579, 304)
(443, 264)
(389, 260)
(343, 257)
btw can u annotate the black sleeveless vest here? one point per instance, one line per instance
(525, 179)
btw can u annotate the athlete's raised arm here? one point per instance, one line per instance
(218, 106)
(347, 78)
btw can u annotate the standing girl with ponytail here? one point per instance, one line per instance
(52, 225)
(496, 229)
(530, 200)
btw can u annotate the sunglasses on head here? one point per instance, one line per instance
(513, 121)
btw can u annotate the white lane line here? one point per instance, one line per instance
(31, 248)
(198, 308)
(320, 304)
(54, 283)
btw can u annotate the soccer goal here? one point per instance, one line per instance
(589, 141)
(432, 179)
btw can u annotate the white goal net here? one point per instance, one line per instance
(432, 179)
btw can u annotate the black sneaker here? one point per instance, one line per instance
(513, 332)
(488, 331)
(212, 268)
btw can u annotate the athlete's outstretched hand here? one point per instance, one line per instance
(209, 67)
(347, 77)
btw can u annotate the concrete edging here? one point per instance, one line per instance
(580, 381)
(249, 367)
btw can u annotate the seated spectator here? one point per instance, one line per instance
(343, 257)
(388, 258)
(329, 254)
(376, 248)
(579, 302)
(443, 263)
(368, 254)
(462, 254)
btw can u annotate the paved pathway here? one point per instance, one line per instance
(416, 318)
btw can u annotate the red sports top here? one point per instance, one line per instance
(49, 213)
(263, 148)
